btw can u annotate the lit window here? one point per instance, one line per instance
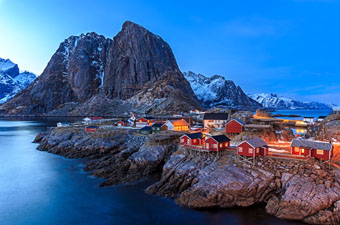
(250, 150)
(257, 150)
(319, 152)
(226, 144)
(207, 145)
(182, 140)
(302, 151)
(221, 145)
(240, 149)
(194, 140)
(214, 145)
(188, 141)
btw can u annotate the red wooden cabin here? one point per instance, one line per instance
(252, 148)
(316, 149)
(192, 139)
(234, 126)
(217, 143)
(120, 124)
(141, 122)
(91, 129)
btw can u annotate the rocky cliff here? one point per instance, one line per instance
(11, 80)
(216, 91)
(89, 74)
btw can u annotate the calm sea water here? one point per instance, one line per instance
(303, 113)
(41, 188)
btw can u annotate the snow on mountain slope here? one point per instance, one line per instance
(11, 81)
(279, 102)
(216, 91)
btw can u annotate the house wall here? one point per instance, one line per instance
(233, 127)
(245, 150)
(300, 151)
(209, 144)
(90, 129)
(214, 123)
(184, 140)
(141, 124)
(181, 128)
(324, 156)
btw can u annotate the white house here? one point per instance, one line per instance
(215, 120)
(309, 119)
(63, 124)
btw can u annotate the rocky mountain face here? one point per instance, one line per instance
(216, 91)
(11, 80)
(275, 101)
(88, 74)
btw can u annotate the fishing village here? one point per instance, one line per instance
(215, 159)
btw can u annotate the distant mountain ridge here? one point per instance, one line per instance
(216, 91)
(11, 80)
(276, 101)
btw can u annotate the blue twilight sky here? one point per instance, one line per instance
(290, 47)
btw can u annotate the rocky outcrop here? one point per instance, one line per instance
(216, 91)
(295, 190)
(200, 182)
(136, 69)
(119, 156)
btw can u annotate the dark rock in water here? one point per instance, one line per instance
(136, 69)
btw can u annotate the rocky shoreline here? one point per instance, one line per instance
(293, 190)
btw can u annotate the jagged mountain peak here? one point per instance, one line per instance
(11, 80)
(276, 101)
(216, 91)
(134, 70)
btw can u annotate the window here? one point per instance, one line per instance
(188, 141)
(214, 145)
(257, 150)
(207, 145)
(194, 140)
(302, 151)
(221, 145)
(226, 144)
(250, 150)
(319, 152)
(182, 140)
(240, 149)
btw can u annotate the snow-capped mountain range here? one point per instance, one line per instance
(275, 101)
(11, 80)
(216, 91)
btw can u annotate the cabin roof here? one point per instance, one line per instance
(146, 128)
(92, 127)
(257, 142)
(312, 144)
(181, 122)
(157, 124)
(194, 135)
(239, 121)
(322, 117)
(216, 116)
(220, 138)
